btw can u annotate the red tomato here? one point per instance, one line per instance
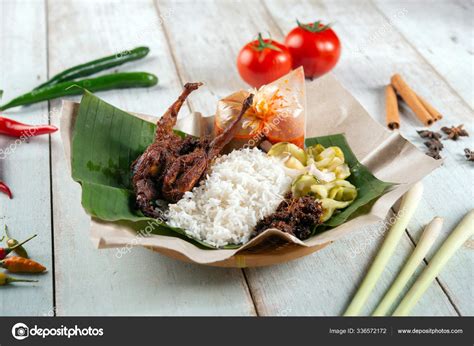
(262, 61)
(314, 46)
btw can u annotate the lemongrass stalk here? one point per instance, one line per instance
(463, 231)
(427, 239)
(407, 208)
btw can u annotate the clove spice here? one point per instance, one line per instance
(469, 154)
(429, 134)
(433, 143)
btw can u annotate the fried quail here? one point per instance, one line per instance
(172, 165)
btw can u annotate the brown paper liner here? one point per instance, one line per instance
(330, 109)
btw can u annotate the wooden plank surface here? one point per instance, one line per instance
(322, 284)
(451, 59)
(93, 282)
(378, 39)
(268, 285)
(370, 57)
(444, 39)
(24, 166)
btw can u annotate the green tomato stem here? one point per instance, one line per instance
(463, 231)
(407, 208)
(313, 27)
(262, 45)
(425, 243)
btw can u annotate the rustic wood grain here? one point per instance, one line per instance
(441, 32)
(199, 41)
(370, 57)
(96, 282)
(324, 282)
(223, 80)
(451, 59)
(24, 166)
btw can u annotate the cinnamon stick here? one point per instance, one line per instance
(433, 112)
(391, 107)
(411, 99)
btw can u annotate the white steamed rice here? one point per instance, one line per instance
(242, 188)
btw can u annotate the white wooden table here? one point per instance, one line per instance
(428, 42)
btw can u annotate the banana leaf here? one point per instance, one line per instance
(106, 140)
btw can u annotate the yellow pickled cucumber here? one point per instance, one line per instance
(343, 194)
(326, 215)
(331, 153)
(314, 150)
(333, 195)
(342, 171)
(329, 203)
(329, 206)
(319, 191)
(284, 149)
(302, 185)
(293, 163)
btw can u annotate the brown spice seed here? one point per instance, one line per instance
(434, 154)
(469, 154)
(434, 145)
(429, 134)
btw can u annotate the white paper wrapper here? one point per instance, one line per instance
(330, 109)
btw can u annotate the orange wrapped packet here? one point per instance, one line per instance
(277, 114)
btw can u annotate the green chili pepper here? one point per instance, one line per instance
(95, 66)
(20, 250)
(107, 82)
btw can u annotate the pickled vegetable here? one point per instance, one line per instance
(293, 163)
(315, 150)
(319, 172)
(329, 206)
(302, 185)
(343, 191)
(285, 149)
(342, 171)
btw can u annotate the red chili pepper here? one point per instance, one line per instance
(5, 189)
(14, 128)
(4, 251)
(21, 265)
